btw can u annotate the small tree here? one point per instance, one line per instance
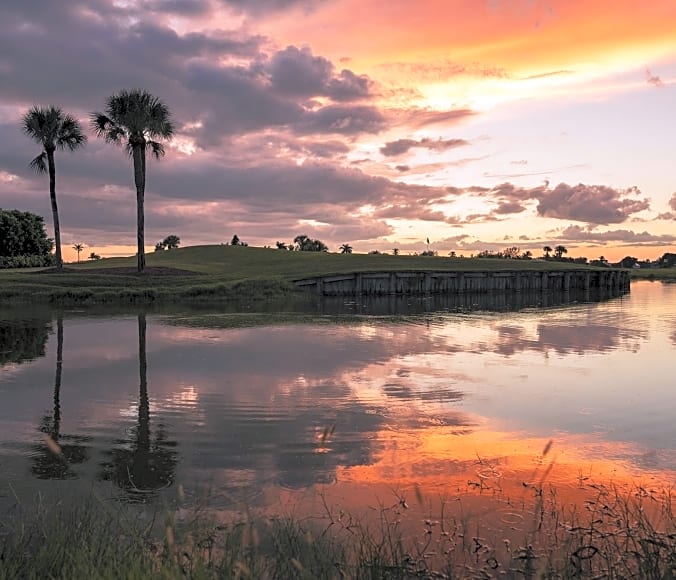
(160, 247)
(559, 251)
(235, 240)
(346, 249)
(94, 256)
(281, 246)
(306, 244)
(78, 248)
(171, 242)
(395, 251)
(547, 250)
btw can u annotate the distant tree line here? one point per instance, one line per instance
(305, 243)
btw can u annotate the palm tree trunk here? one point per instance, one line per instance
(55, 209)
(144, 403)
(139, 153)
(57, 378)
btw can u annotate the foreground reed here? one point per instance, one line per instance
(612, 535)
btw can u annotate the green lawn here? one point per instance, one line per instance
(221, 272)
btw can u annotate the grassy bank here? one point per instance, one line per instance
(663, 274)
(610, 536)
(210, 273)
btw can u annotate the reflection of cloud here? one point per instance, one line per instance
(572, 338)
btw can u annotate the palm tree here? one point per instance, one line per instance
(559, 251)
(346, 249)
(142, 464)
(135, 119)
(78, 248)
(53, 129)
(52, 458)
(395, 251)
(547, 250)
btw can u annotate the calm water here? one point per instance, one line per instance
(258, 409)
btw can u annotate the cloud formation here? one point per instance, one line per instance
(401, 146)
(595, 204)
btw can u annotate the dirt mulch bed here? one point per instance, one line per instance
(126, 271)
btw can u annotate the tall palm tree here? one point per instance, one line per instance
(53, 458)
(142, 464)
(53, 129)
(135, 118)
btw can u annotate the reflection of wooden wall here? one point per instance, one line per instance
(436, 282)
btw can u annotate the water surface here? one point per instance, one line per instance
(363, 402)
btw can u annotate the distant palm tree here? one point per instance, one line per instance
(395, 251)
(94, 256)
(346, 249)
(559, 251)
(53, 129)
(78, 248)
(135, 119)
(547, 250)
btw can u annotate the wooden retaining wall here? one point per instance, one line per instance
(444, 282)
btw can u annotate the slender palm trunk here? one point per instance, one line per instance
(144, 402)
(55, 209)
(139, 153)
(57, 378)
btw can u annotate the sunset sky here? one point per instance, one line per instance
(479, 124)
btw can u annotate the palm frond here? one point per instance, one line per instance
(39, 164)
(70, 134)
(157, 149)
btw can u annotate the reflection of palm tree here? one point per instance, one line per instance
(142, 465)
(53, 458)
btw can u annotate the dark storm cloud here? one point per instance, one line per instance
(401, 146)
(343, 120)
(297, 72)
(222, 79)
(261, 7)
(283, 184)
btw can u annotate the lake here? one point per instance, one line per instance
(359, 404)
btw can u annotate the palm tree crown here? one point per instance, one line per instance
(135, 119)
(53, 129)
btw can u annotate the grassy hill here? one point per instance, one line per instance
(220, 272)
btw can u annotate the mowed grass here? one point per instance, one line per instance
(221, 272)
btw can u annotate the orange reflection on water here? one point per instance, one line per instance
(440, 461)
(496, 483)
